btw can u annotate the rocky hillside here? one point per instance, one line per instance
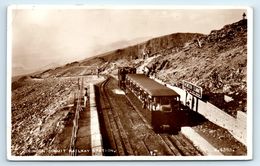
(217, 62)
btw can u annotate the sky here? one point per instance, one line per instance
(43, 37)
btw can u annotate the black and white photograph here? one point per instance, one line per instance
(129, 82)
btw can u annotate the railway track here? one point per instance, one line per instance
(118, 138)
(180, 145)
(127, 131)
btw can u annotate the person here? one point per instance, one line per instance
(192, 103)
(244, 16)
(144, 105)
(86, 97)
(98, 72)
(188, 103)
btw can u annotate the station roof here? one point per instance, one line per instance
(152, 87)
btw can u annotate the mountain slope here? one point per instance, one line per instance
(217, 62)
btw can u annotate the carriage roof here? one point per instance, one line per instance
(152, 87)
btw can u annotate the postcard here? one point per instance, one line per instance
(129, 82)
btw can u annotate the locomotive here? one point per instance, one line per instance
(122, 72)
(161, 105)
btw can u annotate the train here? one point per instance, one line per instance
(161, 105)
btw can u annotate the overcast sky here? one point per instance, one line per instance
(50, 36)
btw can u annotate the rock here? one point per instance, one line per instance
(227, 88)
(211, 131)
(228, 98)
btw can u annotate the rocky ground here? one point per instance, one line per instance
(221, 139)
(41, 110)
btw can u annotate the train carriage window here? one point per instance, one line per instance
(178, 98)
(165, 100)
(155, 104)
(155, 107)
(165, 104)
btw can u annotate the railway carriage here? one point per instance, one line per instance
(161, 105)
